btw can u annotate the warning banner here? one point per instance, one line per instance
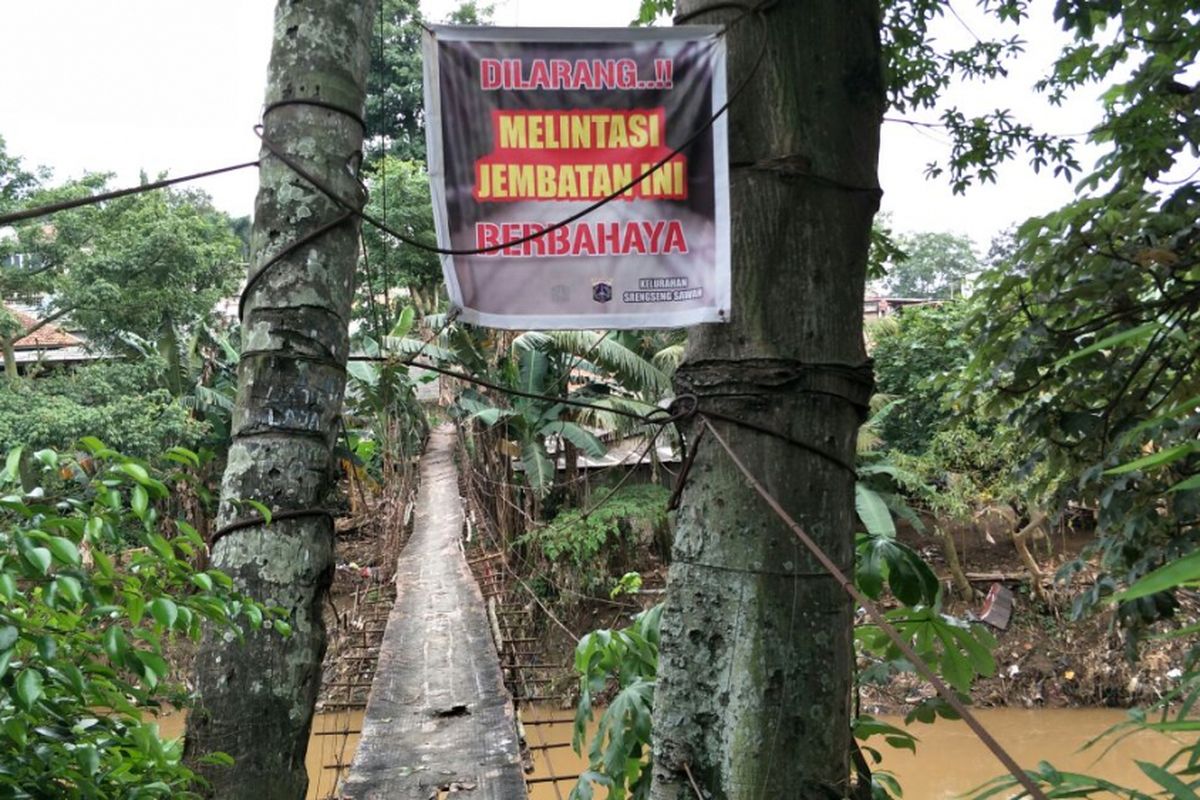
(528, 127)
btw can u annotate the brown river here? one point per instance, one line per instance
(949, 761)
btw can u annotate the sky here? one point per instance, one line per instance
(125, 86)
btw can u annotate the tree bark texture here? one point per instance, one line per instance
(756, 662)
(256, 697)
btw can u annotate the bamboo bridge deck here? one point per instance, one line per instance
(439, 722)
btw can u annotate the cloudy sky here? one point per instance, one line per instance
(168, 85)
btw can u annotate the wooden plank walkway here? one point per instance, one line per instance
(439, 722)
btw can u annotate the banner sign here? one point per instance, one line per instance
(529, 126)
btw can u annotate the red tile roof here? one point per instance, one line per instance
(47, 337)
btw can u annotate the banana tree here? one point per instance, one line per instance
(528, 423)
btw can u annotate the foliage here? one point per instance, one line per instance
(884, 785)
(381, 400)
(15, 181)
(143, 264)
(934, 265)
(120, 402)
(199, 370)
(958, 650)
(1095, 365)
(591, 542)
(85, 623)
(918, 355)
(399, 195)
(529, 422)
(545, 365)
(619, 755)
(395, 94)
(954, 648)
(395, 98)
(886, 252)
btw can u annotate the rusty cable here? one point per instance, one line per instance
(879, 619)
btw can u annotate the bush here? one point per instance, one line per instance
(117, 402)
(596, 546)
(917, 355)
(85, 622)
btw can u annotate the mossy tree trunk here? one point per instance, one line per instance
(756, 663)
(256, 698)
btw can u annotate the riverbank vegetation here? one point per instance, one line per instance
(1028, 474)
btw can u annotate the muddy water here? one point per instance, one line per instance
(949, 761)
(332, 742)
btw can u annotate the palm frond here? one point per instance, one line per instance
(669, 358)
(604, 413)
(635, 372)
(395, 345)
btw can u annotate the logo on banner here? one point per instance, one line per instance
(602, 291)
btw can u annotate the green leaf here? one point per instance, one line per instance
(202, 581)
(539, 472)
(1182, 571)
(1186, 485)
(262, 509)
(93, 445)
(28, 687)
(135, 471)
(1178, 789)
(580, 437)
(218, 759)
(164, 611)
(1142, 331)
(154, 667)
(47, 458)
(1155, 459)
(12, 466)
(404, 323)
(869, 568)
(8, 636)
(135, 605)
(64, 550)
(255, 615)
(955, 666)
(115, 644)
(39, 557)
(15, 729)
(160, 545)
(183, 456)
(363, 372)
(8, 586)
(70, 588)
(873, 512)
(532, 366)
(139, 501)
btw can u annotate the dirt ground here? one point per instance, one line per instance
(1044, 658)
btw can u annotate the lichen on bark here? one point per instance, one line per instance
(255, 698)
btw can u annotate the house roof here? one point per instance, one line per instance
(47, 337)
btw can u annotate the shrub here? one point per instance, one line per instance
(85, 622)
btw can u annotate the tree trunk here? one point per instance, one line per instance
(755, 670)
(950, 551)
(10, 360)
(256, 698)
(1037, 523)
